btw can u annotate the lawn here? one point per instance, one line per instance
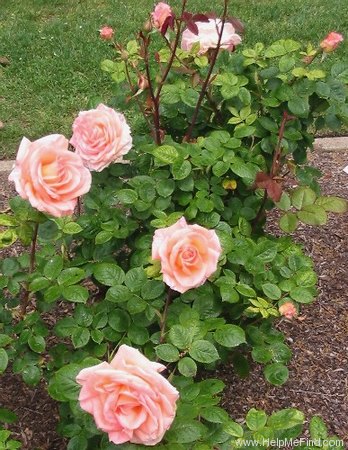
(55, 52)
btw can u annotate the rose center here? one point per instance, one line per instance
(189, 254)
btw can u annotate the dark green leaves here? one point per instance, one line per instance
(203, 351)
(276, 374)
(109, 274)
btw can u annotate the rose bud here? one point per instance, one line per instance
(288, 310)
(106, 33)
(331, 42)
(162, 16)
(143, 82)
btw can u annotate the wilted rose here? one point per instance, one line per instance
(288, 310)
(188, 254)
(106, 33)
(331, 42)
(101, 136)
(128, 398)
(162, 16)
(50, 176)
(208, 36)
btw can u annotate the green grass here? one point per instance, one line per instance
(55, 51)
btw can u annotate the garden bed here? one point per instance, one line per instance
(318, 370)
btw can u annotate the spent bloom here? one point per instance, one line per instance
(106, 33)
(188, 254)
(288, 310)
(49, 175)
(331, 42)
(162, 17)
(101, 136)
(208, 36)
(129, 398)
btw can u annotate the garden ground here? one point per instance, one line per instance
(51, 52)
(318, 381)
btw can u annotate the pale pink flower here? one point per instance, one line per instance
(101, 136)
(188, 253)
(208, 36)
(331, 42)
(106, 33)
(50, 176)
(128, 398)
(161, 15)
(288, 310)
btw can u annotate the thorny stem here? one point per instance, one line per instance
(78, 212)
(188, 134)
(25, 299)
(163, 321)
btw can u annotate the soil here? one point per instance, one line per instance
(318, 381)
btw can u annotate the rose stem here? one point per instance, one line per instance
(25, 299)
(188, 134)
(163, 321)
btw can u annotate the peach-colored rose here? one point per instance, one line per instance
(161, 14)
(128, 398)
(288, 310)
(331, 42)
(188, 253)
(208, 36)
(50, 176)
(106, 33)
(101, 136)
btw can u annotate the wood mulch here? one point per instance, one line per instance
(318, 381)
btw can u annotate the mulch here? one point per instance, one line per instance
(318, 381)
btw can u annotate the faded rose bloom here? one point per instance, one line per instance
(143, 82)
(101, 136)
(331, 42)
(288, 310)
(106, 33)
(50, 176)
(128, 398)
(188, 253)
(161, 15)
(208, 36)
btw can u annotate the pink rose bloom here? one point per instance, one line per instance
(101, 136)
(331, 42)
(208, 36)
(161, 14)
(128, 398)
(188, 253)
(106, 33)
(50, 176)
(288, 310)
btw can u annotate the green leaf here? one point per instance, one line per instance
(166, 154)
(52, 294)
(301, 295)
(281, 353)
(75, 294)
(285, 203)
(80, 337)
(185, 432)
(303, 196)
(118, 294)
(180, 336)
(204, 352)
(230, 336)
(245, 290)
(31, 375)
(138, 335)
(181, 169)
(167, 352)
(119, 320)
(214, 414)
(242, 131)
(187, 367)
(127, 196)
(63, 386)
(3, 360)
(103, 236)
(220, 168)
(286, 419)
(332, 204)
(38, 284)
(256, 419)
(233, 429)
(78, 443)
(261, 354)
(7, 416)
(109, 274)
(5, 340)
(318, 429)
(37, 343)
(71, 276)
(288, 222)
(72, 228)
(53, 267)
(165, 187)
(135, 279)
(276, 374)
(272, 291)
(299, 106)
(152, 289)
(313, 215)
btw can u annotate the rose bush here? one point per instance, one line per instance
(168, 253)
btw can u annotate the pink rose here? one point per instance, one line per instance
(188, 253)
(50, 176)
(331, 42)
(106, 33)
(101, 136)
(162, 15)
(128, 398)
(288, 310)
(208, 36)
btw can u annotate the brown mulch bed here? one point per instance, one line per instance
(318, 381)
